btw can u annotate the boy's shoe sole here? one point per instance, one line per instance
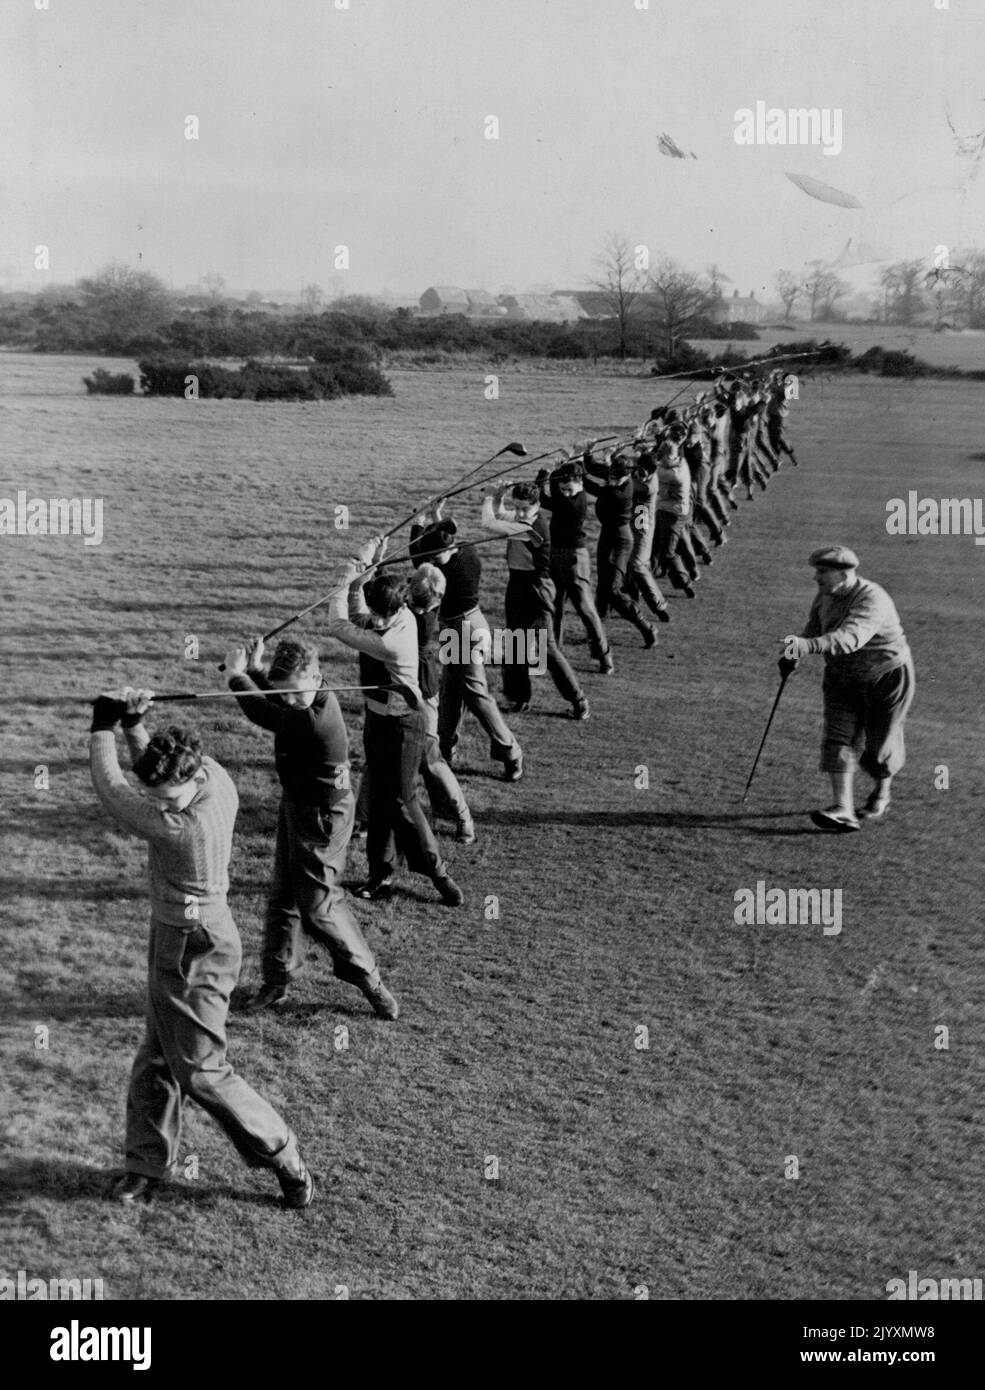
(834, 822)
(374, 891)
(298, 1188)
(268, 997)
(451, 894)
(383, 1002)
(133, 1188)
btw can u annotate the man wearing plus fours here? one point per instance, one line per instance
(868, 683)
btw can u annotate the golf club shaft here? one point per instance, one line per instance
(438, 496)
(783, 680)
(175, 696)
(181, 695)
(452, 545)
(481, 482)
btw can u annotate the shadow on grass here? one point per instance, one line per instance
(67, 1180)
(68, 1008)
(132, 888)
(687, 820)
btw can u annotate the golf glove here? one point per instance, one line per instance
(106, 713)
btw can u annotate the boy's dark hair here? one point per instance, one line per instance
(570, 472)
(677, 433)
(618, 469)
(290, 657)
(646, 463)
(440, 535)
(525, 493)
(385, 594)
(172, 756)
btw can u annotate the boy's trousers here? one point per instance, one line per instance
(305, 897)
(183, 1055)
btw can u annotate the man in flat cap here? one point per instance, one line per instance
(868, 683)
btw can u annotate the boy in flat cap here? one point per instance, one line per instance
(868, 683)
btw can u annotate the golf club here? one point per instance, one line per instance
(783, 680)
(514, 448)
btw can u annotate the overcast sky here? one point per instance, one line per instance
(365, 127)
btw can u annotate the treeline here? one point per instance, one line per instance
(129, 313)
(241, 333)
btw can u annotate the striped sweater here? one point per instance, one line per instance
(188, 851)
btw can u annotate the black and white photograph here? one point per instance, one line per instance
(491, 537)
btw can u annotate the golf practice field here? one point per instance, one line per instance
(600, 1085)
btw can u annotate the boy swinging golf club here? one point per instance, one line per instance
(376, 622)
(185, 811)
(314, 825)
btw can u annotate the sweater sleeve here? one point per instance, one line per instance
(121, 801)
(813, 627)
(416, 545)
(866, 616)
(347, 618)
(137, 739)
(257, 708)
(500, 525)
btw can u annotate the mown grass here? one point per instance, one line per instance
(619, 1167)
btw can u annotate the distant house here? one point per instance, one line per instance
(737, 309)
(444, 299)
(482, 304)
(449, 299)
(545, 308)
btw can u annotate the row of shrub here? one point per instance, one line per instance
(808, 355)
(350, 375)
(351, 369)
(103, 383)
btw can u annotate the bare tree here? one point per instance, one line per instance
(789, 288)
(717, 278)
(214, 285)
(312, 298)
(681, 298)
(823, 289)
(901, 283)
(619, 283)
(971, 289)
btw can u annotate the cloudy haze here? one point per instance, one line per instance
(365, 127)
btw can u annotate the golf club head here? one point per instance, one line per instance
(516, 448)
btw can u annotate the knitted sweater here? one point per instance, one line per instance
(188, 851)
(311, 745)
(859, 633)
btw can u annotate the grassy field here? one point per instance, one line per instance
(619, 1166)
